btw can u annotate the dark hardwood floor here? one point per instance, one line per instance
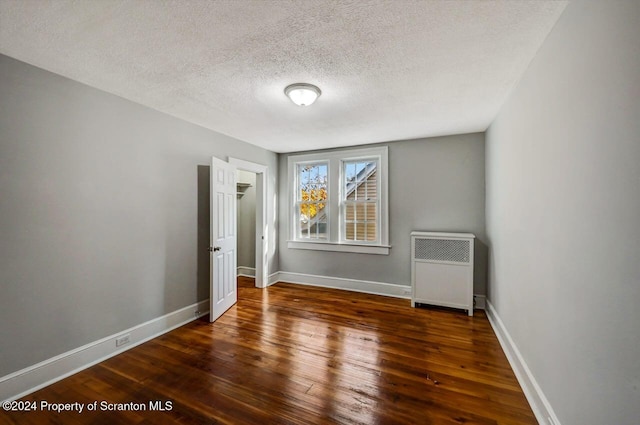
(294, 354)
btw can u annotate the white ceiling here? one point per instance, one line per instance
(388, 69)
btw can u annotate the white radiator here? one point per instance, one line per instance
(442, 269)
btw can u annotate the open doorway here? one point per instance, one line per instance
(252, 198)
(246, 221)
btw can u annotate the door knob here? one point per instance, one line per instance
(214, 248)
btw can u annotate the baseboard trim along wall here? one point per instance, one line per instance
(273, 278)
(539, 403)
(33, 378)
(246, 271)
(368, 287)
(364, 286)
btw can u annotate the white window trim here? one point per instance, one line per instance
(333, 242)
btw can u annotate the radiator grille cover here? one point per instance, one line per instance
(442, 250)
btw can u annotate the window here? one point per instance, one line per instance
(312, 193)
(360, 200)
(340, 201)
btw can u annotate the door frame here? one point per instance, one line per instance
(262, 235)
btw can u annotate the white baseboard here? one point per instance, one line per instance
(40, 375)
(273, 278)
(365, 286)
(246, 271)
(368, 287)
(539, 403)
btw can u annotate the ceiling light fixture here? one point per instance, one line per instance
(302, 94)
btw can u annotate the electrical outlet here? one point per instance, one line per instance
(406, 292)
(124, 339)
(197, 313)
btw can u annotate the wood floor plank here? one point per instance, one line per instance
(300, 355)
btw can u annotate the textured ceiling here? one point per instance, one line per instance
(388, 70)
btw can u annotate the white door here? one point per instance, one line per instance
(223, 293)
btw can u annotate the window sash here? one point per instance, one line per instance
(360, 221)
(310, 228)
(360, 215)
(306, 210)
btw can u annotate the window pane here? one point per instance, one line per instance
(359, 232)
(350, 231)
(371, 231)
(350, 212)
(303, 221)
(371, 213)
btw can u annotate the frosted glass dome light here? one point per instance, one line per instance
(302, 94)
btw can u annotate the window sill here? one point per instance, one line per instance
(340, 247)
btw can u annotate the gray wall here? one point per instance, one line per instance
(434, 184)
(247, 221)
(104, 213)
(563, 210)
